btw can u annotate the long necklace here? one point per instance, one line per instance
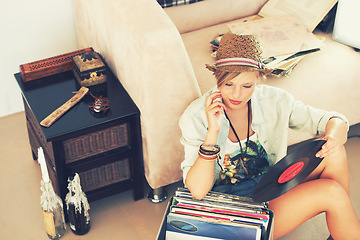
(243, 154)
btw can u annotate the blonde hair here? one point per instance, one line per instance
(223, 77)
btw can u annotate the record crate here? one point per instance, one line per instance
(216, 216)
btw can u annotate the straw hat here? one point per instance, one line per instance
(239, 53)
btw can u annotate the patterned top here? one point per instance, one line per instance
(255, 161)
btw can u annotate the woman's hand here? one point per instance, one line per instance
(331, 146)
(214, 108)
(335, 136)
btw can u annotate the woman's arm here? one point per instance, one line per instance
(335, 134)
(200, 178)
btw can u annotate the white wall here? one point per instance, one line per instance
(31, 30)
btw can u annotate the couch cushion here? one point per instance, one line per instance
(210, 12)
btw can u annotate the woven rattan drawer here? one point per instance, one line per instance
(96, 143)
(105, 175)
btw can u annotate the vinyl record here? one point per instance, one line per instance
(289, 171)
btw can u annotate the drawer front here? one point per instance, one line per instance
(105, 175)
(96, 143)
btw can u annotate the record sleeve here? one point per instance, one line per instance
(180, 226)
(220, 216)
(221, 208)
(240, 212)
(222, 198)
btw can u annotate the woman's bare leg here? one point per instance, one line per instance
(329, 194)
(310, 199)
(334, 167)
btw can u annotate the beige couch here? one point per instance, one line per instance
(159, 56)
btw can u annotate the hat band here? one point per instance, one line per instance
(238, 61)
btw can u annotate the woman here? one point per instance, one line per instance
(239, 129)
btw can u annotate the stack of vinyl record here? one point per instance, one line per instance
(217, 216)
(225, 216)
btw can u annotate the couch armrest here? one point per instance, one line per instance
(144, 49)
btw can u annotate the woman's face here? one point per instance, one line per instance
(238, 91)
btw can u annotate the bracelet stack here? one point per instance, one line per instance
(209, 152)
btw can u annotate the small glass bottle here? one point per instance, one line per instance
(77, 207)
(51, 203)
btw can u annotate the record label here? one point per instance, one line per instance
(291, 172)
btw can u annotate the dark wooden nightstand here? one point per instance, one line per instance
(105, 151)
